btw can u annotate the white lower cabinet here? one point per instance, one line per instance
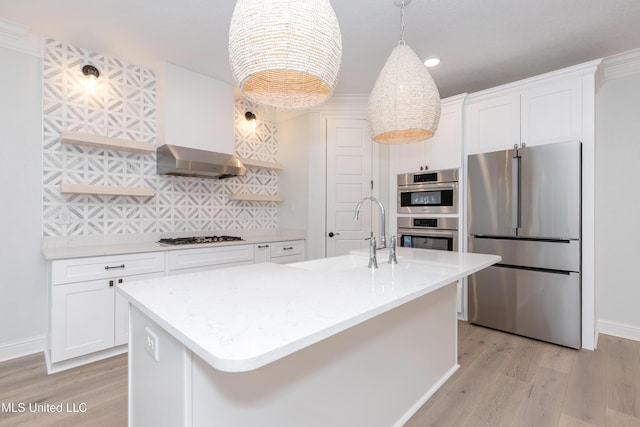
(279, 252)
(88, 316)
(193, 260)
(262, 253)
(82, 319)
(286, 252)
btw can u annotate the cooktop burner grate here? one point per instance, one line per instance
(198, 239)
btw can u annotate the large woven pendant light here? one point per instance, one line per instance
(285, 53)
(404, 105)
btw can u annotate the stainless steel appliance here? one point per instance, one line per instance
(192, 240)
(185, 161)
(428, 233)
(433, 192)
(525, 205)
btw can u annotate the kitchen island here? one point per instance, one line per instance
(323, 342)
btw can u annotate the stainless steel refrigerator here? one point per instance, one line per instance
(525, 205)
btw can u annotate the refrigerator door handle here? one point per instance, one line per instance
(515, 191)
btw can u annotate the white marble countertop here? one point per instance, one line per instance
(241, 318)
(87, 246)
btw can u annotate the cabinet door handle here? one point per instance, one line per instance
(287, 249)
(262, 246)
(111, 283)
(113, 267)
(119, 280)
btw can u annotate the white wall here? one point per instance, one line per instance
(23, 300)
(293, 180)
(618, 207)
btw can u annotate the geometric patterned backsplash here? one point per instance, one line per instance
(124, 105)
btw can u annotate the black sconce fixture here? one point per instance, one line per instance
(251, 118)
(91, 75)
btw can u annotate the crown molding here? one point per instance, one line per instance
(17, 37)
(622, 64)
(579, 70)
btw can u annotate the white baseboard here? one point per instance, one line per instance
(618, 329)
(22, 347)
(416, 406)
(53, 368)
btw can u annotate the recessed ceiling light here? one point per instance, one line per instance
(432, 62)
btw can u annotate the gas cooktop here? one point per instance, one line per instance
(198, 239)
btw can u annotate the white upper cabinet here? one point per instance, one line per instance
(198, 111)
(442, 151)
(546, 111)
(552, 112)
(494, 124)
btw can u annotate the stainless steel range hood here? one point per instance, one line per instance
(184, 161)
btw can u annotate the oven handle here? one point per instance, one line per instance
(427, 232)
(422, 187)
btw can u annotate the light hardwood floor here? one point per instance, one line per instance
(101, 386)
(504, 380)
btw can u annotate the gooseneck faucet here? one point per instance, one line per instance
(383, 240)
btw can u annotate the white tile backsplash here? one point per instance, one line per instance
(124, 105)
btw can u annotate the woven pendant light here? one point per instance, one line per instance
(285, 53)
(404, 105)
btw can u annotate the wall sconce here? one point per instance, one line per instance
(251, 118)
(91, 75)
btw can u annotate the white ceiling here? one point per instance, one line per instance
(482, 43)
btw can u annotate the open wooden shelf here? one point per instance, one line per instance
(255, 197)
(107, 190)
(98, 141)
(260, 164)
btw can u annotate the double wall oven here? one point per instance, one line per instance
(428, 208)
(425, 196)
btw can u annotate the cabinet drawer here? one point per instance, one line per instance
(205, 257)
(94, 268)
(286, 259)
(293, 247)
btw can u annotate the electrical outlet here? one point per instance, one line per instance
(64, 216)
(151, 343)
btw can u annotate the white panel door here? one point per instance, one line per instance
(349, 161)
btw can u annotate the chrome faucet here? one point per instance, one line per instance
(383, 240)
(373, 261)
(392, 250)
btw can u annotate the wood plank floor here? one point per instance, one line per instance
(504, 380)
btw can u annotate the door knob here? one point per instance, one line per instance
(331, 234)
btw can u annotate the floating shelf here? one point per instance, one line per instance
(260, 164)
(107, 190)
(91, 140)
(255, 197)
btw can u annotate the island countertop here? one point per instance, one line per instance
(242, 318)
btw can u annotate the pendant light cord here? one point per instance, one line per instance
(401, 24)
